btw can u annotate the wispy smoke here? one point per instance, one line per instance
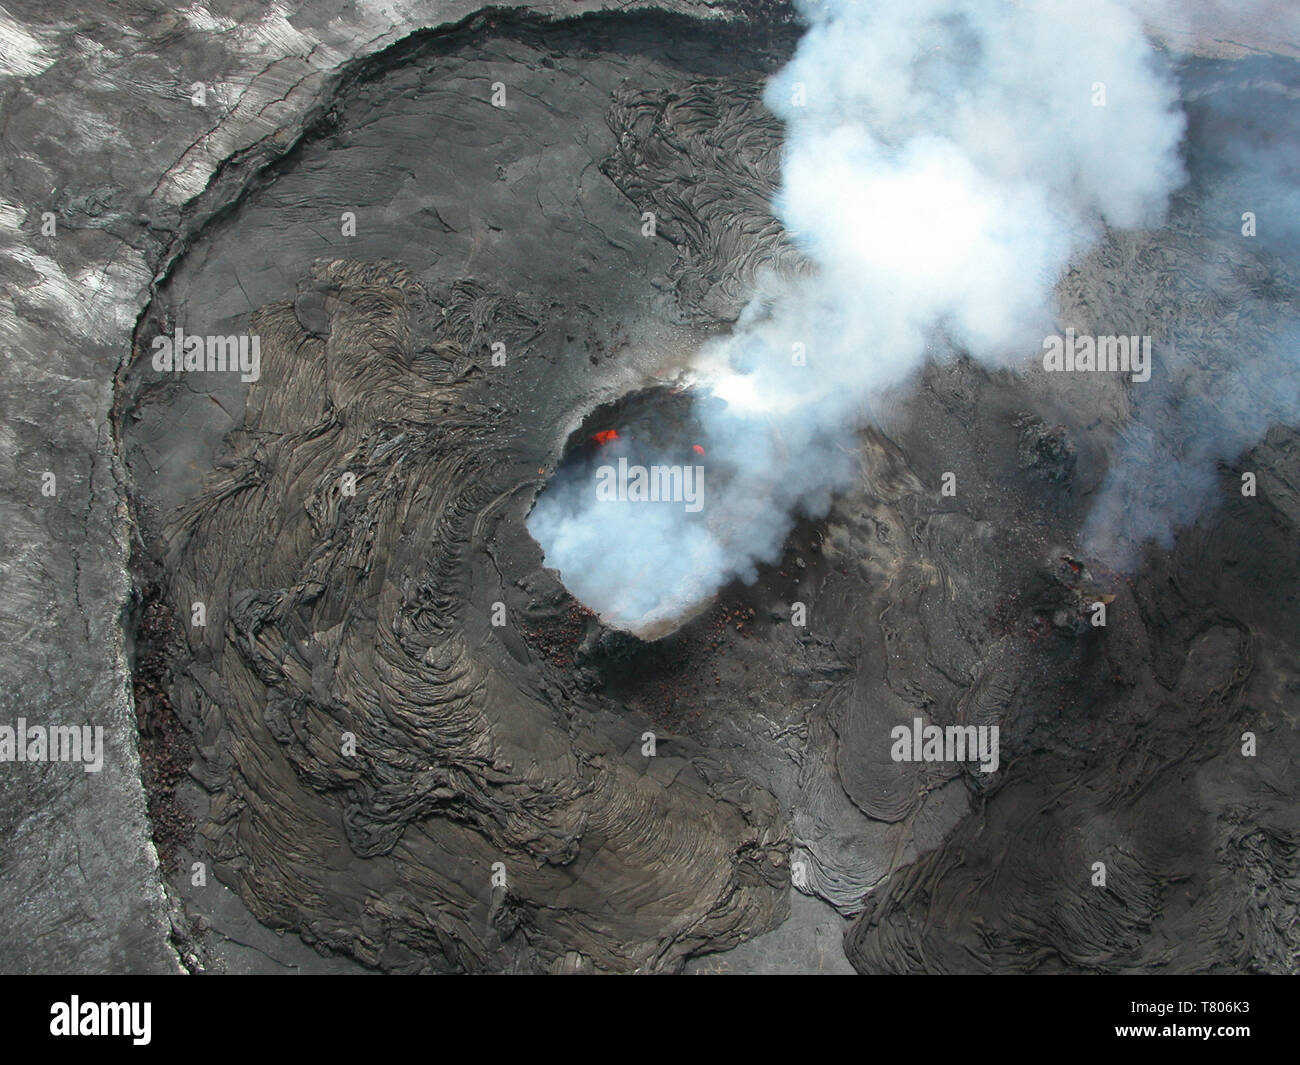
(945, 161)
(1230, 365)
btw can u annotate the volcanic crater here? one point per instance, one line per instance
(385, 770)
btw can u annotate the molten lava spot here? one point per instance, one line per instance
(651, 426)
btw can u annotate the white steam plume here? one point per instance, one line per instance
(945, 160)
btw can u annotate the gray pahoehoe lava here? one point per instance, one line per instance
(352, 519)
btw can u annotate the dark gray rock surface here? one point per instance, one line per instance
(1122, 747)
(508, 232)
(99, 128)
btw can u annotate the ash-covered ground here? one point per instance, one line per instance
(391, 734)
